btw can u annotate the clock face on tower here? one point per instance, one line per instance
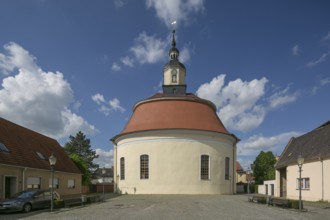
(174, 71)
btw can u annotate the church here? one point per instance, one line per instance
(174, 142)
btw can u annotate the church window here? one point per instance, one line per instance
(174, 78)
(122, 168)
(227, 168)
(144, 166)
(205, 164)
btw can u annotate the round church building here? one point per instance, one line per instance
(174, 143)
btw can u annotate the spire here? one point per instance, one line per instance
(174, 52)
(173, 39)
(174, 72)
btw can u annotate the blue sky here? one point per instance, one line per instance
(77, 65)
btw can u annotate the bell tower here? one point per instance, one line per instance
(174, 73)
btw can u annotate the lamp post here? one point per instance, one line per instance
(103, 174)
(248, 182)
(52, 162)
(300, 161)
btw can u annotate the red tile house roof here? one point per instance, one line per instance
(23, 147)
(238, 166)
(174, 112)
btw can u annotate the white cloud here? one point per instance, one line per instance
(322, 82)
(325, 81)
(320, 60)
(296, 50)
(184, 55)
(127, 61)
(115, 105)
(37, 99)
(327, 37)
(148, 49)
(242, 105)
(106, 107)
(115, 67)
(281, 97)
(181, 11)
(98, 98)
(105, 158)
(237, 102)
(254, 144)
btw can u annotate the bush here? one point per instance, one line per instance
(59, 203)
(262, 200)
(294, 204)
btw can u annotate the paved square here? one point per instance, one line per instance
(177, 207)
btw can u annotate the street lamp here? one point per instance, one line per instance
(248, 181)
(300, 161)
(52, 162)
(103, 174)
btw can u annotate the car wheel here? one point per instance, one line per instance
(27, 207)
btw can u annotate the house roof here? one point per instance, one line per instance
(163, 111)
(239, 167)
(98, 172)
(27, 148)
(313, 146)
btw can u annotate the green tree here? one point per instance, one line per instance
(263, 167)
(79, 150)
(83, 167)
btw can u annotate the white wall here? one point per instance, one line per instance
(174, 162)
(319, 181)
(268, 183)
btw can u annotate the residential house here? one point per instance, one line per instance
(24, 162)
(314, 147)
(240, 178)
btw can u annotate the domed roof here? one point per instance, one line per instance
(174, 112)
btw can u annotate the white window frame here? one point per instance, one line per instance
(305, 183)
(55, 183)
(33, 183)
(71, 184)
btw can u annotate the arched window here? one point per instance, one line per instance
(122, 168)
(144, 166)
(205, 167)
(174, 78)
(227, 168)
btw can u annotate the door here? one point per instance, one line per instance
(283, 182)
(10, 186)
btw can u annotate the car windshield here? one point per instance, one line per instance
(24, 194)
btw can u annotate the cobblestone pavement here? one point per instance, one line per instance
(177, 207)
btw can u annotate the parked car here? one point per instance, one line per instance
(28, 200)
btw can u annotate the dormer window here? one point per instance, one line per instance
(3, 148)
(41, 157)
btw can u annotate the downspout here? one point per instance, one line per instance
(23, 178)
(321, 159)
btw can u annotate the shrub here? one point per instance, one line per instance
(294, 204)
(59, 203)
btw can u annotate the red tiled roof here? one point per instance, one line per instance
(238, 166)
(23, 145)
(174, 112)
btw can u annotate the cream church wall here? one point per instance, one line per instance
(319, 181)
(174, 162)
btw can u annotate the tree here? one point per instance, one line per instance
(80, 152)
(264, 167)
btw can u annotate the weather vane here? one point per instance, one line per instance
(173, 25)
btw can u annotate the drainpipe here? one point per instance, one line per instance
(23, 178)
(321, 159)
